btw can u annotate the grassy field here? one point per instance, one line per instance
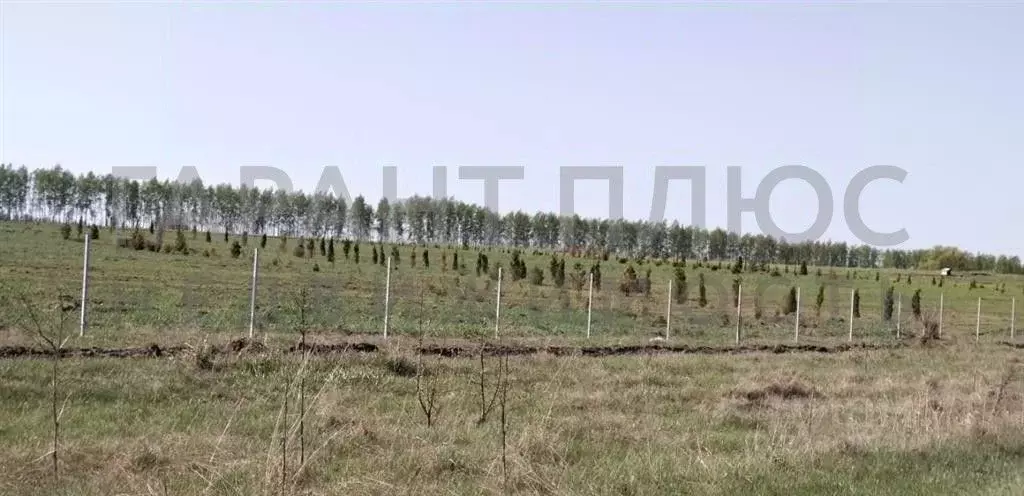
(139, 296)
(919, 420)
(909, 417)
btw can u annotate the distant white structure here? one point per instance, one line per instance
(946, 271)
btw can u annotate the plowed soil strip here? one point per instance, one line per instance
(256, 348)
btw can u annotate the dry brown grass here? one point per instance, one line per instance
(948, 420)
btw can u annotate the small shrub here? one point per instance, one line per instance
(628, 283)
(401, 366)
(180, 245)
(702, 295)
(204, 358)
(887, 303)
(790, 304)
(137, 240)
(481, 264)
(930, 331)
(518, 266)
(679, 288)
(536, 276)
(578, 276)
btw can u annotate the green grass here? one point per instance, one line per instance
(941, 418)
(140, 296)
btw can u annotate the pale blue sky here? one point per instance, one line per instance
(933, 89)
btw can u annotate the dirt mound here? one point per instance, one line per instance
(326, 349)
(784, 390)
(245, 345)
(152, 350)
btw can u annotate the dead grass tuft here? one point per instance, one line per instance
(401, 366)
(147, 460)
(930, 331)
(245, 345)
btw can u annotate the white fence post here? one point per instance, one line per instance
(977, 325)
(252, 293)
(497, 306)
(85, 287)
(668, 311)
(739, 311)
(796, 332)
(852, 293)
(942, 297)
(899, 313)
(1013, 316)
(387, 298)
(590, 303)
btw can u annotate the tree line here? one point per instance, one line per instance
(57, 195)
